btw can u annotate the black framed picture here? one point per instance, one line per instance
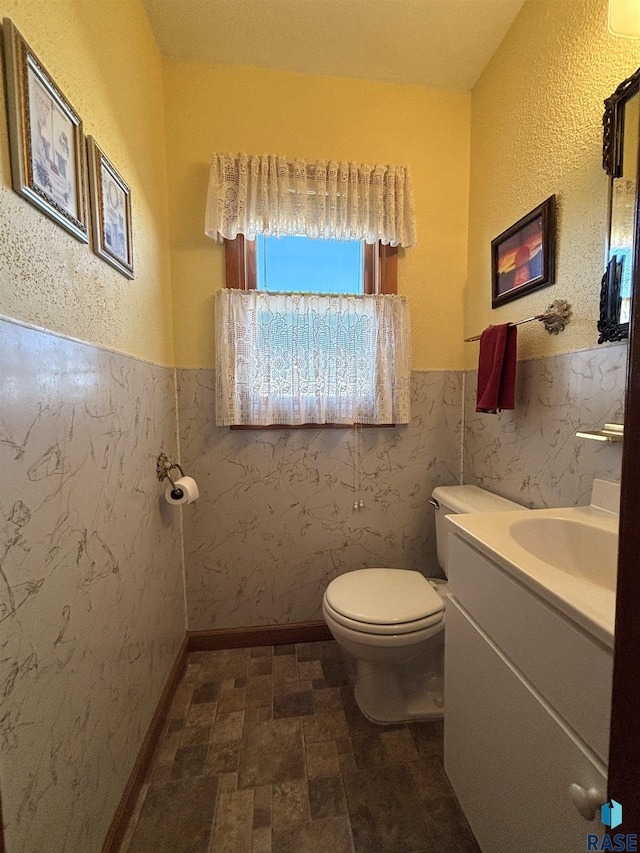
(523, 256)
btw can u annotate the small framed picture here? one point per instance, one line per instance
(110, 211)
(46, 141)
(523, 256)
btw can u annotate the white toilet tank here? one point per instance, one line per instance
(454, 500)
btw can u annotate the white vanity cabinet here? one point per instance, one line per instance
(527, 695)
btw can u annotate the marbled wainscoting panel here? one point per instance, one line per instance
(531, 454)
(275, 520)
(91, 585)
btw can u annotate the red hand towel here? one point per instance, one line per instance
(497, 369)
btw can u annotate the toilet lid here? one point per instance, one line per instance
(383, 596)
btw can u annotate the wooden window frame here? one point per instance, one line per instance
(380, 266)
(380, 277)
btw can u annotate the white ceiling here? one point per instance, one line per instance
(443, 43)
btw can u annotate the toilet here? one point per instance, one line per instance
(392, 622)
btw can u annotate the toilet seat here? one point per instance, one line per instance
(384, 601)
(400, 628)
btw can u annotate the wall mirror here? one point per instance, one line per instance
(620, 161)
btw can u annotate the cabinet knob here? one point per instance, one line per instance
(587, 800)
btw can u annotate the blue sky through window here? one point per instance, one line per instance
(298, 264)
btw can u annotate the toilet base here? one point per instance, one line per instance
(385, 699)
(429, 709)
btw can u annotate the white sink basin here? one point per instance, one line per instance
(568, 556)
(573, 546)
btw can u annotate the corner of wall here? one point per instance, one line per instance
(536, 131)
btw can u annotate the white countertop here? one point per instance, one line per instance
(587, 604)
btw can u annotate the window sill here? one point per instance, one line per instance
(312, 426)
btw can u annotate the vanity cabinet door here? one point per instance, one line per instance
(570, 669)
(510, 760)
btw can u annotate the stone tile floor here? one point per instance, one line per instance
(264, 750)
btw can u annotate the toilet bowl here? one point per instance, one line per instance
(392, 622)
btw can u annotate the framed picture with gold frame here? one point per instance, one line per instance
(111, 228)
(46, 140)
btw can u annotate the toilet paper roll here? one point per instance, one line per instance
(188, 487)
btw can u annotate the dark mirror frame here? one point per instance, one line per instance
(612, 150)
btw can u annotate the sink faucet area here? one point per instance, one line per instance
(567, 555)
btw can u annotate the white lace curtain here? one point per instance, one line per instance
(321, 200)
(284, 358)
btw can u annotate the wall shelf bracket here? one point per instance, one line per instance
(609, 432)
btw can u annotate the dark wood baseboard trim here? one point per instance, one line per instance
(197, 641)
(259, 635)
(137, 776)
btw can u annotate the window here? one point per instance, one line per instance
(310, 362)
(379, 264)
(298, 264)
(299, 355)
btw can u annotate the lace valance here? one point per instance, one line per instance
(321, 200)
(291, 358)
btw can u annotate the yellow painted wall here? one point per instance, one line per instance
(104, 58)
(537, 130)
(213, 108)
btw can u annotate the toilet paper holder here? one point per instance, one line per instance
(163, 466)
